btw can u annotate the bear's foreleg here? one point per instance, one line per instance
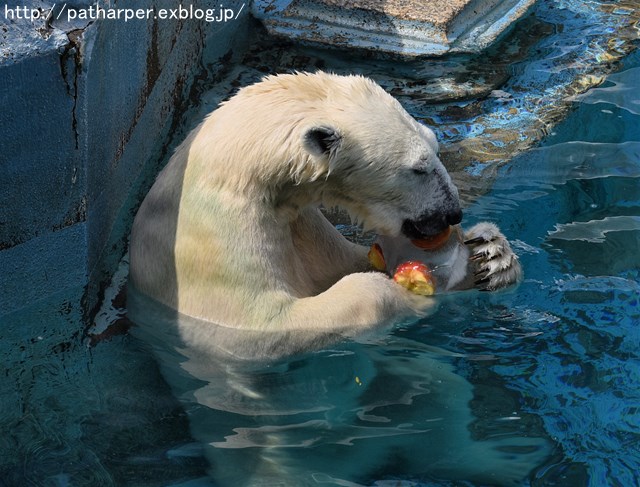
(327, 254)
(356, 303)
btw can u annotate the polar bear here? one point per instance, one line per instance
(234, 269)
(231, 233)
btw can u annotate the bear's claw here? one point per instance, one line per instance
(495, 264)
(474, 241)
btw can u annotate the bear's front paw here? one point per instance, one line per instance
(495, 264)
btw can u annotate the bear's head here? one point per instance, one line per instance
(340, 140)
(378, 162)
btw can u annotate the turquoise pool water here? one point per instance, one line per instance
(567, 340)
(550, 368)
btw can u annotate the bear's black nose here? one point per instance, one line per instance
(431, 224)
(454, 217)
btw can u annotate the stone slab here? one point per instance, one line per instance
(410, 28)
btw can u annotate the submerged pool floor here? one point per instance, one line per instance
(557, 357)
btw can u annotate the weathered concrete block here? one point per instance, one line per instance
(87, 104)
(43, 201)
(37, 140)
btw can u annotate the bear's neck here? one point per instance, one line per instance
(290, 199)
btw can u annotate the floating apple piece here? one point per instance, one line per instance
(416, 277)
(376, 257)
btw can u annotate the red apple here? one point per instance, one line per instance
(416, 277)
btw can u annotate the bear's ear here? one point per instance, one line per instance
(322, 141)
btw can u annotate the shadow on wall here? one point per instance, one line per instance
(87, 109)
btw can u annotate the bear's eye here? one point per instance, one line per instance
(423, 166)
(420, 171)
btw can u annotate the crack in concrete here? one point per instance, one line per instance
(70, 68)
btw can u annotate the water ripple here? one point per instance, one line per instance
(572, 160)
(621, 91)
(595, 231)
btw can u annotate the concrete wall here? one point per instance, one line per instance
(87, 107)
